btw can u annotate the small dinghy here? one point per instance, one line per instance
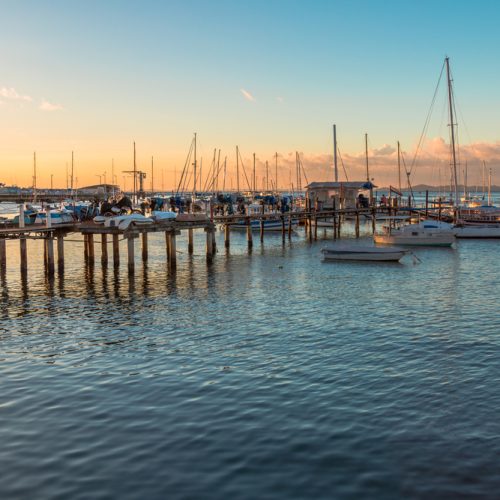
(363, 253)
(158, 215)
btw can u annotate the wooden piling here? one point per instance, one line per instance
(90, 242)
(144, 246)
(116, 251)
(249, 233)
(167, 244)
(227, 233)
(283, 229)
(60, 252)
(104, 249)
(3, 255)
(86, 247)
(374, 219)
(173, 250)
(315, 227)
(209, 247)
(24, 254)
(262, 230)
(131, 256)
(50, 254)
(339, 225)
(309, 226)
(334, 220)
(289, 227)
(214, 242)
(190, 241)
(357, 224)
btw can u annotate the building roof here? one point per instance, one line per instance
(338, 185)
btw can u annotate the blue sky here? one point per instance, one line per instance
(156, 72)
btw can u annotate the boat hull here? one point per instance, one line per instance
(479, 231)
(365, 254)
(438, 240)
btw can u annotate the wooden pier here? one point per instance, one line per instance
(54, 236)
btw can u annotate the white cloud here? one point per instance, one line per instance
(247, 95)
(48, 106)
(11, 93)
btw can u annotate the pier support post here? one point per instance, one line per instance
(86, 247)
(283, 229)
(167, 244)
(374, 219)
(173, 250)
(24, 255)
(356, 227)
(249, 233)
(227, 233)
(214, 242)
(116, 251)
(60, 252)
(144, 247)
(262, 230)
(3, 255)
(339, 225)
(210, 247)
(309, 226)
(90, 242)
(190, 242)
(104, 249)
(290, 227)
(50, 254)
(315, 227)
(130, 251)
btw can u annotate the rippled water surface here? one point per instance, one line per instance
(265, 375)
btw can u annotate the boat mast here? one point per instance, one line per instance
(135, 178)
(489, 189)
(254, 178)
(152, 173)
(452, 125)
(267, 176)
(72, 171)
(237, 171)
(484, 183)
(366, 155)
(399, 167)
(34, 177)
(335, 168)
(276, 168)
(194, 168)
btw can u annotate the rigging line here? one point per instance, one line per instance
(301, 165)
(244, 171)
(408, 173)
(210, 173)
(342, 162)
(186, 163)
(427, 120)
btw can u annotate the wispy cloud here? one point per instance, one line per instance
(13, 94)
(48, 106)
(280, 99)
(247, 95)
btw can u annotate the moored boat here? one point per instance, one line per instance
(363, 253)
(427, 233)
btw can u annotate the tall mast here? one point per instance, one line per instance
(254, 180)
(276, 168)
(34, 176)
(194, 165)
(399, 167)
(366, 155)
(72, 171)
(152, 178)
(267, 176)
(484, 183)
(237, 170)
(135, 178)
(489, 189)
(452, 125)
(335, 167)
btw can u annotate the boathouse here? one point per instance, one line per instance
(322, 195)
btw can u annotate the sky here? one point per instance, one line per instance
(269, 76)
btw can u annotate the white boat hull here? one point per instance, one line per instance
(359, 253)
(438, 240)
(479, 231)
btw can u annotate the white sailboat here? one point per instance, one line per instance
(427, 233)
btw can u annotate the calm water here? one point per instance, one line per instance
(270, 375)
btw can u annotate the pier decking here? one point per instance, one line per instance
(171, 228)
